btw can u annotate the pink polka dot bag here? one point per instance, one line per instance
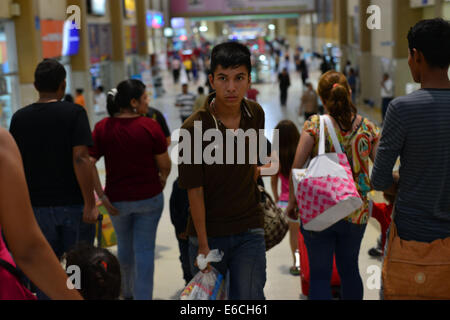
(326, 192)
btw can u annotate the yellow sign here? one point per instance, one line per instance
(130, 8)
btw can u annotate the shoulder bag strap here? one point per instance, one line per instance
(322, 136)
(11, 269)
(332, 133)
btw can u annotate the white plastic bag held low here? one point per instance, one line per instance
(326, 192)
(206, 286)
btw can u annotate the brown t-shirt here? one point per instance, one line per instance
(231, 195)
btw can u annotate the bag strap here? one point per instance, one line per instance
(11, 269)
(322, 136)
(264, 192)
(325, 120)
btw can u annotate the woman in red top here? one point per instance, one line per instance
(137, 166)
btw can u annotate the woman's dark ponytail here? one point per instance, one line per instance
(111, 105)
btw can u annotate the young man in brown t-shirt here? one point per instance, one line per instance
(223, 195)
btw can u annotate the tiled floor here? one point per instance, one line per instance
(280, 284)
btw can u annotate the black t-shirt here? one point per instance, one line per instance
(159, 117)
(46, 134)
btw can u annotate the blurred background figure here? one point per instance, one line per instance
(387, 93)
(185, 101)
(176, 69)
(284, 82)
(69, 98)
(309, 104)
(79, 98)
(252, 94)
(100, 102)
(200, 100)
(352, 83)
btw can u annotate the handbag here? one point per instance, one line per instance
(326, 192)
(275, 223)
(416, 270)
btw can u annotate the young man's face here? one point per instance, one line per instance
(231, 85)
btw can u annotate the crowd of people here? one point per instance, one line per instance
(50, 182)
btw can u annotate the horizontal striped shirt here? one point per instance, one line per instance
(187, 101)
(417, 129)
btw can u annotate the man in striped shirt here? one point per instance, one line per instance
(185, 101)
(417, 129)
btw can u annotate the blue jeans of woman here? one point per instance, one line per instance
(343, 239)
(244, 261)
(135, 228)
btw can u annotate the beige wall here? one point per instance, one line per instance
(447, 10)
(4, 8)
(52, 9)
(380, 38)
(429, 12)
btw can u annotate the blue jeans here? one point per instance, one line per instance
(135, 228)
(343, 239)
(183, 245)
(244, 261)
(61, 227)
(87, 233)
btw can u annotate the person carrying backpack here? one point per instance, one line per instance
(359, 139)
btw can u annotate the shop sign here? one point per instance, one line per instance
(52, 38)
(155, 19)
(100, 42)
(190, 8)
(59, 39)
(130, 8)
(131, 40)
(71, 40)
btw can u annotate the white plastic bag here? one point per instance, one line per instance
(206, 286)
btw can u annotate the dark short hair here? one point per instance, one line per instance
(80, 91)
(49, 76)
(101, 89)
(432, 38)
(231, 55)
(201, 90)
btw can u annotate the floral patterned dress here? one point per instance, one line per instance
(358, 146)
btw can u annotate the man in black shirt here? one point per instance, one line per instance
(53, 138)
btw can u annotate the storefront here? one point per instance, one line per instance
(132, 60)
(9, 80)
(100, 42)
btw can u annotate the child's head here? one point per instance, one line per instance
(289, 139)
(100, 272)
